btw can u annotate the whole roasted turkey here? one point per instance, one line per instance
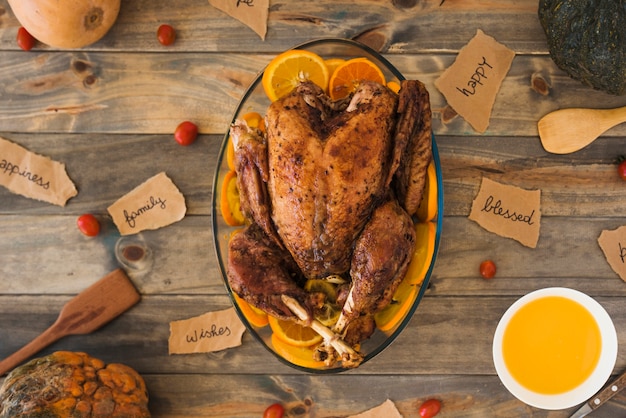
(329, 191)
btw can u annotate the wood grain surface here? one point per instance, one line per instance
(108, 112)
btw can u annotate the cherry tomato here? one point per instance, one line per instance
(25, 40)
(487, 269)
(621, 169)
(88, 225)
(430, 408)
(166, 35)
(186, 133)
(274, 411)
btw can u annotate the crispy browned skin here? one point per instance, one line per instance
(260, 273)
(327, 175)
(414, 129)
(379, 263)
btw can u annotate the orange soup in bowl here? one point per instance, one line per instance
(554, 348)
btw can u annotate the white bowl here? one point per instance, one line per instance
(583, 391)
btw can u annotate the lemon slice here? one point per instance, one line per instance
(288, 69)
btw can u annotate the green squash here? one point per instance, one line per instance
(587, 39)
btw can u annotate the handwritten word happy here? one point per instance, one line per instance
(151, 204)
(497, 209)
(10, 169)
(214, 331)
(476, 78)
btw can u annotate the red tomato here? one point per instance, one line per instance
(88, 225)
(430, 408)
(166, 35)
(186, 133)
(274, 411)
(487, 269)
(621, 169)
(25, 40)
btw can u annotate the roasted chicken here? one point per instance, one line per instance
(329, 190)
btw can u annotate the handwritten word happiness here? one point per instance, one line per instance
(498, 210)
(476, 78)
(10, 169)
(213, 332)
(151, 204)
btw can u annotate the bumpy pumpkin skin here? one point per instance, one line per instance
(587, 39)
(73, 385)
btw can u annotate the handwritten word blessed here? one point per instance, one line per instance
(213, 332)
(10, 169)
(151, 204)
(476, 78)
(498, 210)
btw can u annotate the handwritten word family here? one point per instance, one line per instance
(154, 202)
(212, 332)
(9, 169)
(497, 209)
(476, 78)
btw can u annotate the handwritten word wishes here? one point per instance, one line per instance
(212, 331)
(613, 244)
(508, 211)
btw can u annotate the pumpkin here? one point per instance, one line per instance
(73, 384)
(587, 39)
(67, 23)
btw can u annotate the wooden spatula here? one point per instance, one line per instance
(568, 130)
(86, 312)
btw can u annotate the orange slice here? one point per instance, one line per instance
(348, 75)
(332, 64)
(394, 86)
(254, 315)
(294, 334)
(394, 313)
(428, 206)
(229, 201)
(301, 356)
(288, 69)
(254, 120)
(230, 154)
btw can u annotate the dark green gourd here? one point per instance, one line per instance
(587, 39)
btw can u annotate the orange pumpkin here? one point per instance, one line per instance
(73, 384)
(67, 23)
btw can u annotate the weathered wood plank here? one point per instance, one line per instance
(461, 329)
(397, 26)
(97, 92)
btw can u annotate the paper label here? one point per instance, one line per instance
(508, 211)
(613, 244)
(212, 331)
(34, 176)
(252, 13)
(387, 409)
(154, 204)
(471, 83)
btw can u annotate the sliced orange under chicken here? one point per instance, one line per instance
(294, 334)
(300, 356)
(288, 69)
(346, 78)
(229, 201)
(255, 316)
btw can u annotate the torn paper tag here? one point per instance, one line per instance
(212, 331)
(471, 83)
(252, 13)
(34, 176)
(387, 409)
(508, 211)
(154, 204)
(613, 244)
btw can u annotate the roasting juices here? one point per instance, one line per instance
(551, 345)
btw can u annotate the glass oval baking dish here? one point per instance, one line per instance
(255, 100)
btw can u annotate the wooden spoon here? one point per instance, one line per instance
(568, 130)
(86, 312)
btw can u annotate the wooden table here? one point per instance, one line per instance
(108, 112)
